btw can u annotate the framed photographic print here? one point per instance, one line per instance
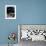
(10, 11)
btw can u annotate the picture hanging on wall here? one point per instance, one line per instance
(10, 11)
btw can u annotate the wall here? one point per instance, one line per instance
(27, 12)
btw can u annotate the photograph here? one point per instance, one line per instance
(10, 11)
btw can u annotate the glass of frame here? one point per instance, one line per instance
(10, 11)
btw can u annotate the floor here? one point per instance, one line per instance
(7, 45)
(32, 43)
